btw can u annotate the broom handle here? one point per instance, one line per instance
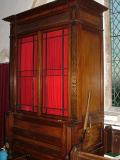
(87, 111)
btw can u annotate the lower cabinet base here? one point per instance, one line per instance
(48, 139)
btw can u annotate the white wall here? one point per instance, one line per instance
(100, 1)
(7, 8)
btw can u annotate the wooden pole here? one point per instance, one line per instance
(87, 111)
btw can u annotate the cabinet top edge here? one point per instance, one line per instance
(65, 4)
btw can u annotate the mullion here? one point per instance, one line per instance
(55, 36)
(18, 48)
(28, 41)
(57, 75)
(56, 69)
(43, 69)
(62, 72)
(25, 70)
(112, 36)
(33, 75)
(46, 72)
(27, 104)
(24, 76)
(53, 108)
(20, 69)
(115, 36)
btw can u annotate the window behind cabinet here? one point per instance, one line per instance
(115, 42)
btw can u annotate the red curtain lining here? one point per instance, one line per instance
(27, 53)
(26, 74)
(55, 70)
(4, 97)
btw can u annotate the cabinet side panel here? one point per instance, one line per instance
(89, 70)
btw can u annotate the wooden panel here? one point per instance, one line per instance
(13, 65)
(73, 71)
(43, 23)
(90, 18)
(89, 74)
(93, 137)
(38, 137)
(36, 152)
(36, 146)
(42, 129)
(22, 157)
(9, 126)
(45, 138)
(107, 139)
(40, 12)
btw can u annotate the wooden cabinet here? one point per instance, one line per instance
(56, 62)
(107, 139)
(4, 99)
(111, 140)
(115, 142)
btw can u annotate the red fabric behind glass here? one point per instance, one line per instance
(27, 74)
(55, 70)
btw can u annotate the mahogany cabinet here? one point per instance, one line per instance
(56, 62)
(4, 98)
(111, 140)
(115, 147)
(107, 139)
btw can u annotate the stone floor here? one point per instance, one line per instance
(112, 116)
